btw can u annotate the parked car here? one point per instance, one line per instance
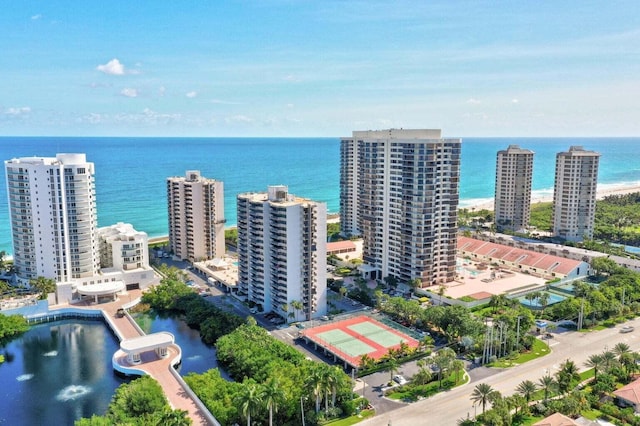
(399, 379)
(627, 329)
(253, 310)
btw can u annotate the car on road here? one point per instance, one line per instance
(626, 329)
(253, 310)
(400, 379)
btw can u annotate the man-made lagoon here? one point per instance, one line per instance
(61, 371)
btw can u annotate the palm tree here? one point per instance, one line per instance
(567, 374)
(333, 376)
(427, 343)
(393, 365)
(482, 394)
(497, 301)
(620, 349)
(272, 395)
(527, 388)
(457, 366)
(595, 361)
(249, 401)
(366, 362)
(443, 360)
(297, 306)
(608, 360)
(314, 384)
(547, 384)
(530, 297)
(544, 300)
(43, 285)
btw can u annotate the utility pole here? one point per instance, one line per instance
(518, 335)
(581, 315)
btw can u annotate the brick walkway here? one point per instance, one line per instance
(158, 368)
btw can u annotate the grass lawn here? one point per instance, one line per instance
(592, 414)
(587, 374)
(539, 349)
(347, 421)
(526, 420)
(412, 393)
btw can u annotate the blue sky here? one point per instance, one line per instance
(319, 68)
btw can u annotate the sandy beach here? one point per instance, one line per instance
(602, 192)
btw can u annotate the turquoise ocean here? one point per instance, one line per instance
(131, 172)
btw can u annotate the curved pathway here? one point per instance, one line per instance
(158, 368)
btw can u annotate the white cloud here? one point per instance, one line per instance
(17, 111)
(239, 119)
(129, 92)
(113, 67)
(514, 101)
(473, 101)
(161, 90)
(223, 102)
(36, 17)
(191, 94)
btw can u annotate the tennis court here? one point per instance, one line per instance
(351, 338)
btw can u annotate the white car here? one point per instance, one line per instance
(400, 379)
(626, 329)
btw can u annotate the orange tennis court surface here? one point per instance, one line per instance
(351, 338)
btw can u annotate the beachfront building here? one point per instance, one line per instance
(282, 263)
(574, 196)
(514, 173)
(52, 208)
(122, 247)
(196, 217)
(399, 191)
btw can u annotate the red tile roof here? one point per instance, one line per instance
(542, 262)
(630, 392)
(341, 245)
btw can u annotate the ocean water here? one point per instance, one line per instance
(131, 172)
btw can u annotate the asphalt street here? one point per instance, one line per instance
(447, 408)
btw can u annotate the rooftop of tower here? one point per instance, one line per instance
(398, 134)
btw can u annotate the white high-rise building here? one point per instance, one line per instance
(52, 207)
(123, 248)
(514, 173)
(282, 250)
(574, 194)
(196, 217)
(399, 191)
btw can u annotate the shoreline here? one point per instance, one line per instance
(488, 204)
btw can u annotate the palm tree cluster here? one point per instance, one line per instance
(255, 397)
(558, 392)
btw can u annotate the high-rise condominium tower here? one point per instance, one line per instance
(196, 217)
(52, 206)
(574, 195)
(399, 190)
(514, 172)
(282, 263)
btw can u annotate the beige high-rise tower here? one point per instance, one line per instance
(574, 195)
(282, 253)
(196, 217)
(514, 173)
(399, 190)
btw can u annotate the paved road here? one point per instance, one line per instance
(447, 408)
